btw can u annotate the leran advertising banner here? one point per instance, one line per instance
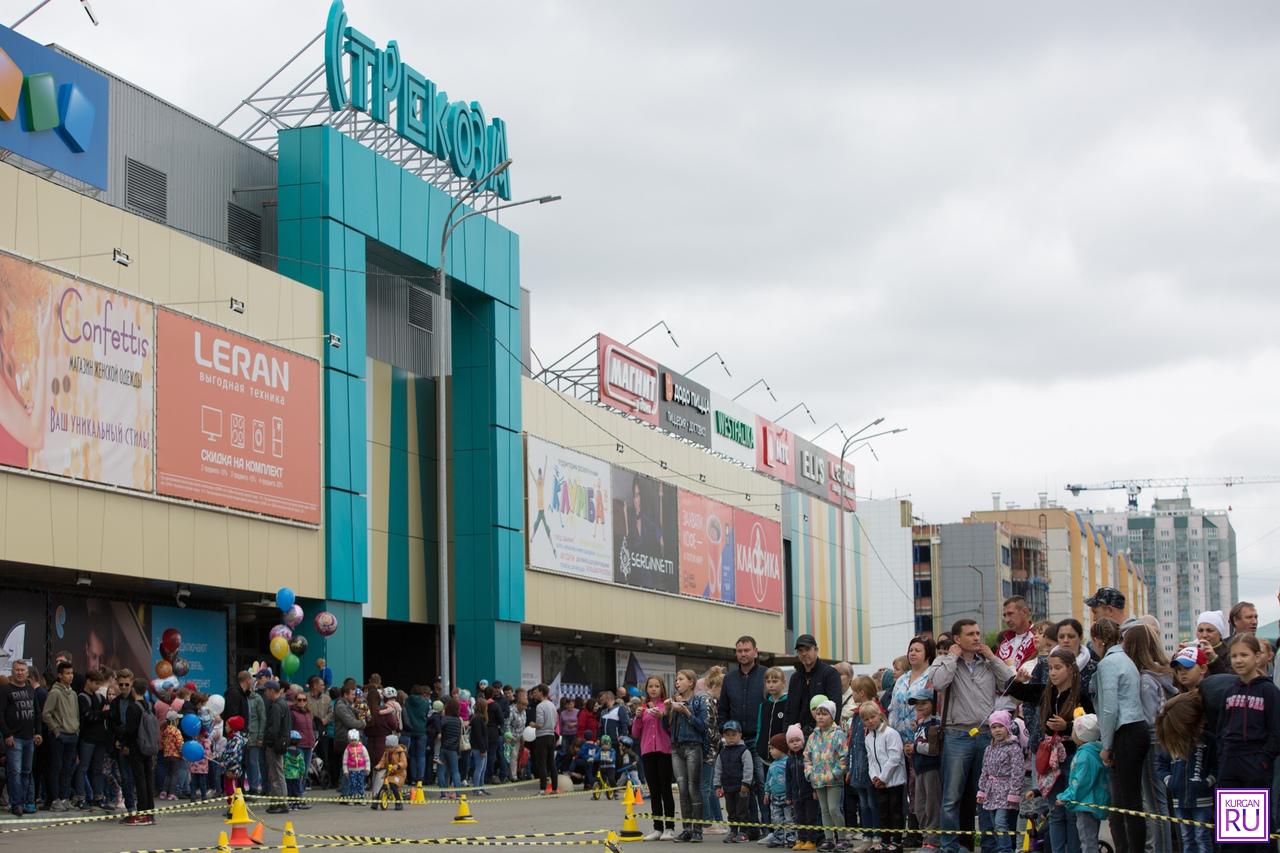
(75, 377)
(758, 561)
(706, 548)
(645, 532)
(568, 511)
(237, 421)
(628, 380)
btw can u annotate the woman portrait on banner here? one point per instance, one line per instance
(26, 345)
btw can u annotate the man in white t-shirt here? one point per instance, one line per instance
(1017, 645)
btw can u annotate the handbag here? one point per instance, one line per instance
(1044, 753)
(464, 742)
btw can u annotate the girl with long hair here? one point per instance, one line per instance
(1143, 647)
(1249, 726)
(687, 723)
(649, 729)
(1181, 733)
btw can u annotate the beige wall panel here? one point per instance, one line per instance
(99, 237)
(182, 542)
(310, 564)
(238, 569)
(211, 564)
(58, 212)
(29, 521)
(155, 540)
(380, 461)
(417, 581)
(378, 577)
(281, 568)
(27, 238)
(259, 553)
(8, 208)
(91, 514)
(154, 263)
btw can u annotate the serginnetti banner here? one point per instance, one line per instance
(237, 421)
(76, 376)
(646, 540)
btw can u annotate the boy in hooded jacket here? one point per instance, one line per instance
(800, 791)
(1089, 782)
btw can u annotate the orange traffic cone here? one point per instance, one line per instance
(639, 798)
(239, 820)
(256, 835)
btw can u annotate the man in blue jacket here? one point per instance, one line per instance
(741, 696)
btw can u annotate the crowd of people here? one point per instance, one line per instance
(1045, 727)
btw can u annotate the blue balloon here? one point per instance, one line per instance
(192, 750)
(285, 598)
(190, 726)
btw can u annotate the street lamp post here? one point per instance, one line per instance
(443, 336)
(840, 484)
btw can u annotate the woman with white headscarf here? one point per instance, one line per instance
(1211, 635)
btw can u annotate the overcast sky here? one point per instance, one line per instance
(1045, 243)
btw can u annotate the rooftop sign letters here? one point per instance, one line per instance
(455, 132)
(654, 393)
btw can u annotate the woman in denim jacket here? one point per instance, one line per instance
(687, 721)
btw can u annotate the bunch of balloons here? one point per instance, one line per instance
(283, 645)
(171, 665)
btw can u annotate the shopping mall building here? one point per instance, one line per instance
(219, 357)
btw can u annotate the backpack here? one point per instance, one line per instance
(148, 732)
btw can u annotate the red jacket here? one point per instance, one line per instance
(587, 722)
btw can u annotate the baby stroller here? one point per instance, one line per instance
(317, 773)
(1034, 814)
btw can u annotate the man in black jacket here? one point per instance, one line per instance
(275, 742)
(94, 741)
(116, 718)
(237, 697)
(143, 767)
(813, 677)
(741, 696)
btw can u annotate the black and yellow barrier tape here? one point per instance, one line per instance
(431, 797)
(442, 839)
(373, 841)
(29, 824)
(1147, 815)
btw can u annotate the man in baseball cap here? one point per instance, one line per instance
(1107, 603)
(813, 677)
(1190, 666)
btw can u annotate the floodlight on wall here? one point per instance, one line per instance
(83, 579)
(121, 257)
(237, 306)
(334, 340)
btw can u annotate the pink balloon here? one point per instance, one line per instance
(293, 617)
(326, 623)
(281, 631)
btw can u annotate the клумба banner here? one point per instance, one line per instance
(237, 421)
(75, 377)
(568, 512)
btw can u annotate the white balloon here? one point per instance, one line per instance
(216, 705)
(530, 734)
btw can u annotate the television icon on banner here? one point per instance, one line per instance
(259, 437)
(1242, 815)
(211, 422)
(237, 431)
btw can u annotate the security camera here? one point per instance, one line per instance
(180, 597)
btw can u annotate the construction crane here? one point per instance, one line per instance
(1134, 487)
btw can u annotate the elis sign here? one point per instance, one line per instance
(454, 131)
